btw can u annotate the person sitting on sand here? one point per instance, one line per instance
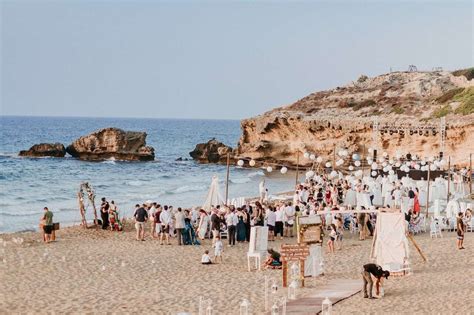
(205, 259)
(369, 271)
(273, 260)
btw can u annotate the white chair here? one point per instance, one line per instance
(258, 260)
(435, 230)
(470, 225)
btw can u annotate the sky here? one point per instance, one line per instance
(212, 59)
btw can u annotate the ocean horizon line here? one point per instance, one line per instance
(117, 117)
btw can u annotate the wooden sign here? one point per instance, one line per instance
(309, 230)
(296, 253)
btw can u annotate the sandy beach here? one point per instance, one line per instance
(95, 271)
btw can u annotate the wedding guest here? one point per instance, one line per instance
(141, 216)
(241, 229)
(460, 228)
(289, 214)
(113, 217)
(218, 249)
(205, 259)
(47, 222)
(104, 213)
(165, 218)
(156, 219)
(271, 220)
(369, 271)
(179, 225)
(231, 221)
(279, 217)
(203, 224)
(215, 225)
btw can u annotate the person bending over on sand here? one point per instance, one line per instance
(369, 271)
(460, 227)
(273, 260)
(205, 259)
(141, 216)
(47, 221)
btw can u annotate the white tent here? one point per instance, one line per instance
(390, 247)
(214, 196)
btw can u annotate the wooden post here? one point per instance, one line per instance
(285, 273)
(410, 237)
(227, 179)
(334, 158)
(470, 174)
(449, 178)
(297, 167)
(428, 192)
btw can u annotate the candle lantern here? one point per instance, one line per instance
(326, 307)
(245, 307)
(275, 309)
(292, 290)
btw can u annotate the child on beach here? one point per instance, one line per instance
(339, 232)
(332, 238)
(205, 259)
(218, 248)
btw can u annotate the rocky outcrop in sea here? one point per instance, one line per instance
(44, 150)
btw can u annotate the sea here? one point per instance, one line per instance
(29, 184)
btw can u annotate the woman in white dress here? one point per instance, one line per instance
(203, 224)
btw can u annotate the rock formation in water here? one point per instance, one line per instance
(344, 118)
(45, 149)
(212, 151)
(112, 143)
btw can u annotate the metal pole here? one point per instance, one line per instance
(449, 178)
(297, 167)
(227, 179)
(428, 192)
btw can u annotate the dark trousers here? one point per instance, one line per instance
(105, 220)
(231, 234)
(279, 228)
(367, 280)
(179, 233)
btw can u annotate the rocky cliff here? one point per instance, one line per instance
(45, 149)
(112, 143)
(403, 103)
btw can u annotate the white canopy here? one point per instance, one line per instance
(214, 196)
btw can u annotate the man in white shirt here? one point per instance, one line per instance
(179, 225)
(271, 220)
(279, 218)
(165, 218)
(231, 222)
(289, 213)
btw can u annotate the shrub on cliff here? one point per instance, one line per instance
(466, 98)
(468, 73)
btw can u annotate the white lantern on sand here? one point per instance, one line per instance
(292, 290)
(357, 163)
(269, 169)
(245, 307)
(252, 163)
(312, 157)
(240, 163)
(328, 164)
(319, 159)
(283, 170)
(306, 155)
(326, 307)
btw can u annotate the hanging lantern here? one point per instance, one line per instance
(252, 163)
(433, 167)
(319, 159)
(328, 164)
(371, 150)
(398, 164)
(374, 173)
(309, 174)
(292, 290)
(385, 154)
(374, 166)
(333, 174)
(357, 163)
(423, 162)
(245, 307)
(306, 155)
(340, 162)
(384, 164)
(391, 161)
(385, 170)
(312, 157)
(391, 172)
(269, 169)
(417, 166)
(284, 170)
(355, 157)
(351, 168)
(340, 153)
(240, 163)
